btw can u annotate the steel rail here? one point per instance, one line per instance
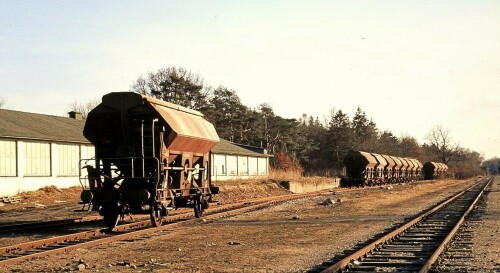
(363, 252)
(15, 228)
(66, 243)
(432, 259)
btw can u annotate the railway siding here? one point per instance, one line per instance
(476, 247)
(416, 245)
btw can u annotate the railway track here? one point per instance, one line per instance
(31, 226)
(41, 248)
(48, 225)
(458, 256)
(416, 245)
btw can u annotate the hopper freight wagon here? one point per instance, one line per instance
(434, 170)
(365, 169)
(150, 156)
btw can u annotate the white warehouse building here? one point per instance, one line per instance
(230, 161)
(38, 150)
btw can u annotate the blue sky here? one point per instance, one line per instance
(410, 65)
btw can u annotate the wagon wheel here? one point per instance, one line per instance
(155, 216)
(111, 220)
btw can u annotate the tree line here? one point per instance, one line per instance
(307, 144)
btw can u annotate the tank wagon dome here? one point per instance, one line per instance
(187, 129)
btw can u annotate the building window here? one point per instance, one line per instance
(252, 166)
(37, 156)
(232, 165)
(87, 155)
(242, 165)
(262, 166)
(87, 152)
(8, 162)
(218, 165)
(68, 160)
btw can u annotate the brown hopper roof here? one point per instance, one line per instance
(372, 161)
(190, 128)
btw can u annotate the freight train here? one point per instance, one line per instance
(150, 157)
(366, 169)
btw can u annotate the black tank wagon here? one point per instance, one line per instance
(150, 156)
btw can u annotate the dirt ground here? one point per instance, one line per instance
(290, 237)
(48, 203)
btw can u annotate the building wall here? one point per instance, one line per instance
(30, 165)
(228, 167)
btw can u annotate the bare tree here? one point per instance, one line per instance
(3, 102)
(83, 108)
(441, 143)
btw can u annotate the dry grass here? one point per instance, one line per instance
(284, 175)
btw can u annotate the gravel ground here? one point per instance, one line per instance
(486, 238)
(290, 237)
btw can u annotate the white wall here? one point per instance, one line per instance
(62, 162)
(238, 167)
(14, 179)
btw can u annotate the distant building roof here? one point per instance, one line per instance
(23, 125)
(229, 148)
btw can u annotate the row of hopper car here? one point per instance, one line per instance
(365, 169)
(152, 156)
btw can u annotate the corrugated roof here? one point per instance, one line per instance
(227, 147)
(16, 124)
(372, 161)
